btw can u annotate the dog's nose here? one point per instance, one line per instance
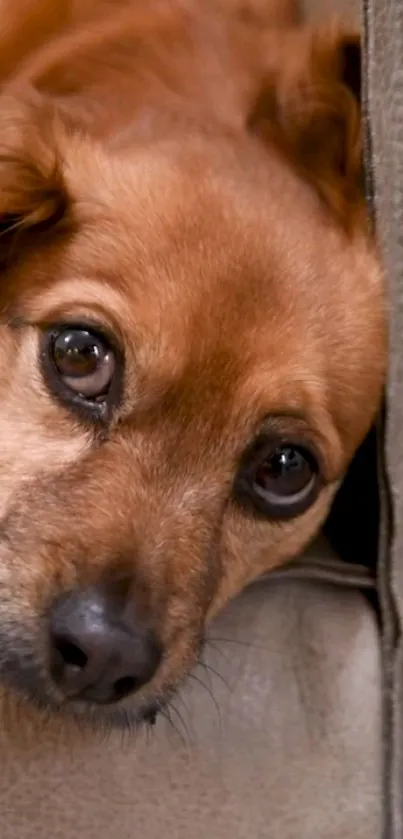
(95, 655)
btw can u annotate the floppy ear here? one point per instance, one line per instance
(309, 106)
(33, 197)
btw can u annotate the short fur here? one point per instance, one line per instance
(188, 175)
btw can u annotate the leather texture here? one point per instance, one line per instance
(384, 73)
(282, 740)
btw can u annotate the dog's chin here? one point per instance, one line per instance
(102, 719)
(124, 716)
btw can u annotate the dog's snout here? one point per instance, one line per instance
(95, 654)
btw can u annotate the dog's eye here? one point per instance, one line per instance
(83, 360)
(281, 480)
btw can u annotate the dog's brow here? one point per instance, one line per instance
(76, 294)
(283, 420)
(285, 413)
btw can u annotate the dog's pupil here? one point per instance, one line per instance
(77, 353)
(285, 472)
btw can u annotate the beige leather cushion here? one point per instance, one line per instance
(284, 743)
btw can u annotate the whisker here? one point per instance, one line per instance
(208, 668)
(235, 641)
(165, 713)
(211, 695)
(181, 719)
(214, 646)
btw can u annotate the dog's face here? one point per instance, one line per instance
(191, 350)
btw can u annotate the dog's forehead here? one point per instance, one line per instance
(194, 231)
(188, 254)
(180, 248)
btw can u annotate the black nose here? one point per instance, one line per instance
(95, 654)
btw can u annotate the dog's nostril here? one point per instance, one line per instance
(94, 654)
(124, 686)
(71, 654)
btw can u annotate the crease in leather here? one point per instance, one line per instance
(326, 570)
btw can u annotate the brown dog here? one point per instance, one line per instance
(192, 341)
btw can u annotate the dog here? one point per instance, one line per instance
(192, 342)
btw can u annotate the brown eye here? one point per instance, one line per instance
(84, 361)
(286, 473)
(280, 481)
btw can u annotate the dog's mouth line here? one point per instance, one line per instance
(127, 714)
(98, 717)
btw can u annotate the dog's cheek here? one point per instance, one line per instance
(39, 442)
(31, 454)
(39, 438)
(252, 546)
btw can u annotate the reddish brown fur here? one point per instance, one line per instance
(157, 175)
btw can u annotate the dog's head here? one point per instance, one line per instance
(191, 350)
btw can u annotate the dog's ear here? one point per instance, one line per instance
(309, 106)
(33, 197)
